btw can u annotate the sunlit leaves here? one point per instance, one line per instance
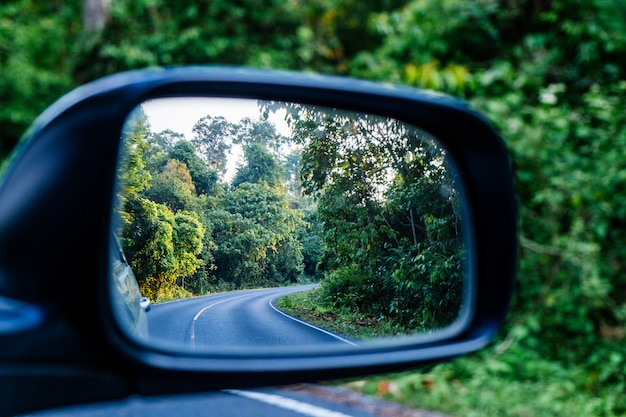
(161, 246)
(173, 187)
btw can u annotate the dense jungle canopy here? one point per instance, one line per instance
(364, 204)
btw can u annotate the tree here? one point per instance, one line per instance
(263, 132)
(133, 176)
(95, 14)
(254, 231)
(310, 239)
(36, 59)
(188, 241)
(161, 246)
(148, 243)
(389, 215)
(260, 166)
(204, 178)
(213, 136)
(549, 74)
(174, 187)
(166, 139)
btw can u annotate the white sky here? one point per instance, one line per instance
(181, 114)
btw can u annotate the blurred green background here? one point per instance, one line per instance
(550, 74)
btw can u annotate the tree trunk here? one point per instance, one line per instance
(413, 227)
(96, 14)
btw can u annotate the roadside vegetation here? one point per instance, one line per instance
(550, 74)
(365, 204)
(515, 382)
(311, 307)
(187, 231)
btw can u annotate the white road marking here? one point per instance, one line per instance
(312, 326)
(288, 404)
(197, 316)
(214, 304)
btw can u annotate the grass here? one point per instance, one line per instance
(516, 383)
(513, 381)
(175, 293)
(307, 306)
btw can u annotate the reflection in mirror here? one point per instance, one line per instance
(281, 224)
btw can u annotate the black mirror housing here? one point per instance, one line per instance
(56, 199)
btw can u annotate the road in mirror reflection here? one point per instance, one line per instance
(256, 224)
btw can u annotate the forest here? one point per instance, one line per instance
(549, 74)
(363, 204)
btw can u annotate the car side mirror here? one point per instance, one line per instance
(411, 193)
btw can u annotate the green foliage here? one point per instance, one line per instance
(550, 74)
(507, 380)
(211, 140)
(309, 237)
(173, 187)
(260, 166)
(246, 236)
(204, 178)
(553, 83)
(36, 54)
(165, 140)
(135, 177)
(359, 291)
(161, 246)
(570, 166)
(254, 230)
(322, 35)
(388, 214)
(311, 307)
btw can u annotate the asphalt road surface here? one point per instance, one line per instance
(234, 319)
(298, 401)
(241, 318)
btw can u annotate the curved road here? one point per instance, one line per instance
(234, 319)
(241, 318)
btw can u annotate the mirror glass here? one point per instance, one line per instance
(249, 224)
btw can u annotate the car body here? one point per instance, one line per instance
(130, 307)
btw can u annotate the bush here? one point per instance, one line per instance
(359, 291)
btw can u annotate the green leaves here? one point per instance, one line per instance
(161, 246)
(255, 234)
(261, 166)
(35, 60)
(388, 212)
